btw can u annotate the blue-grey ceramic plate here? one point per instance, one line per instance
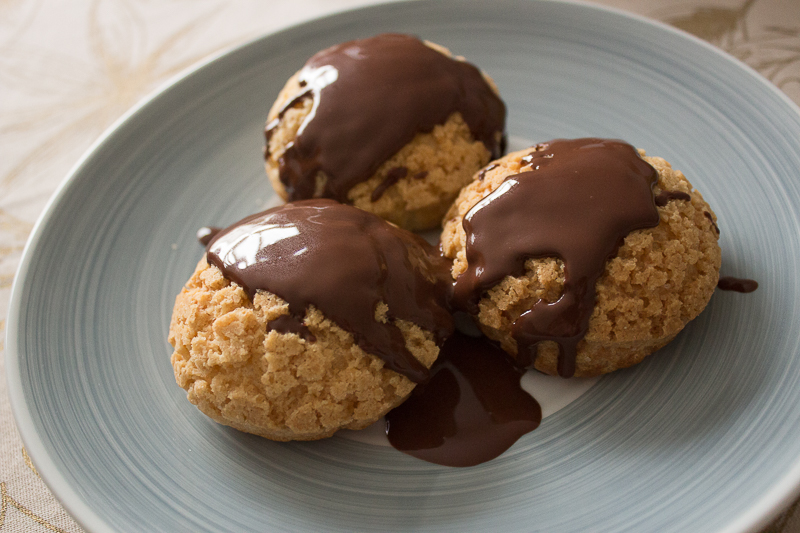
(704, 436)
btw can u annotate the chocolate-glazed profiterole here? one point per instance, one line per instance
(345, 262)
(530, 216)
(581, 256)
(391, 124)
(308, 318)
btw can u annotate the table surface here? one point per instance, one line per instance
(69, 69)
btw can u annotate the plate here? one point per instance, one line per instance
(704, 436)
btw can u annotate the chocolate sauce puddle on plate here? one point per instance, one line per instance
(471, 410)
(370, 98)
(343, 261)
(577, 203)
(728, 283)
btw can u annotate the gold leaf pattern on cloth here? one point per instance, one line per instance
(771, 49)
(112, 80)
(716, 25)
(28, 462)
(69, 69)
(9, 501)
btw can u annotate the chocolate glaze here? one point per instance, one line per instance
(728, 283)
(711, 219)
(289, 324)
(484, 170)
(392, 177)
(420, 175)
(577, 203)
(343, 261)
(470, 411)
(206, 233)
(664, 197)
(371, 97)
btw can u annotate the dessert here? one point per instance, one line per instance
(590, 281)
(576, 257)
(308, 318)
(390, 124)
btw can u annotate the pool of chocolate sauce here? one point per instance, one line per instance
(728, 283)
(470, 411)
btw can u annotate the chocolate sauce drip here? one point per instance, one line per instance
(206, 233)
(291, 324)
(392, 177)
(664, 197)
(272, 126)
(728, 283)
(482, 173)
(470, 411)
(577, 203)
(344, 262)
(420, 175)
(371, 97)
(711, 219)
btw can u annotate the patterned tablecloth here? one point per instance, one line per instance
(69, 69)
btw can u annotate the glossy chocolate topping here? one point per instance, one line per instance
(711, 219)
(289, 324)
(206, 233)
(344, 262)
(371, 97)
(728, 283)
(664, 197)
(392, 177)
(577, 203)
(484, 170)
(470, 411)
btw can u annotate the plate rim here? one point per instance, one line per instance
(760, 514)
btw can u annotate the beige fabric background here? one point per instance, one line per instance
(69, 69)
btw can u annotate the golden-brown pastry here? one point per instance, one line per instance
(389, 124)
(658, 280)
(340, 347)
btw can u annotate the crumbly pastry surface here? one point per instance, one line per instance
(660, 279)
(278, 385)
(438, 164)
